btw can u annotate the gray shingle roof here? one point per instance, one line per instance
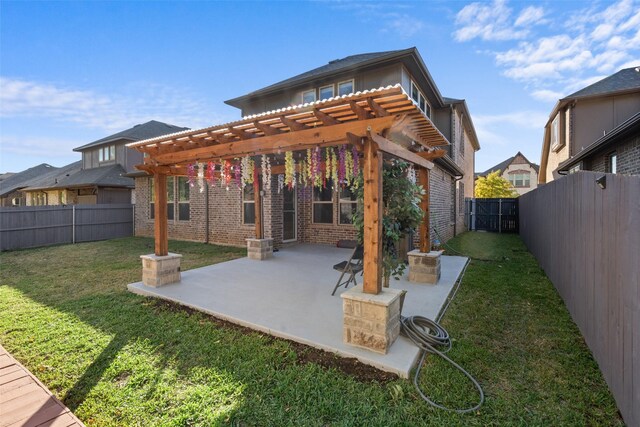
(104, 176)
(139, 132)
(626, 79)
(51, 178)
(334, 66)
(505, 164)
(22, 179)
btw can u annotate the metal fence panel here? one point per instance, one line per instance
(498, 215)
(587, 240)
(35, 226)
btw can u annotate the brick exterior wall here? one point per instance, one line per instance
(628, 158)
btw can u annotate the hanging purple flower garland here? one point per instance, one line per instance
(191, 174)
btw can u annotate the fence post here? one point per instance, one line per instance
(499, 215)
(73, 223)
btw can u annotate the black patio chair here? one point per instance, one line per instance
(351, 267)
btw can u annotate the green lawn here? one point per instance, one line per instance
(119, 359)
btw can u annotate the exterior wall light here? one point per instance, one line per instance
(602, 182)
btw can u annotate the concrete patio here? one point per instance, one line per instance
(289, 296)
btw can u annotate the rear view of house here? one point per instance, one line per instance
(227, 216)
(519, 171)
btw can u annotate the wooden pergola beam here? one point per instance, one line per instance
(299, 140)
(396, 150)
(293, 125)
(326, 119)
(433, 154)
(360, 112)
(267, 129)
(372, 218)
(160, 234)
(425, 236)
(377, 109)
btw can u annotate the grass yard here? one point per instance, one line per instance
(119, 359)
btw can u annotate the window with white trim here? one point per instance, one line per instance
(555, 132)
(184, 191)
(322, 204)
(308, 96)
(346, 87)
(420, 100)
(107, 153)
(612, 163)
(326, 92)
(520, 179)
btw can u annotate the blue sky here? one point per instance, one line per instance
(73, 72)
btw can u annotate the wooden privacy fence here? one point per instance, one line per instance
(34, 226)
(498, 215)
(587, 240)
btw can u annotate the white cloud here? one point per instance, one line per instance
(596, 41)
(388, 17)
(530, 16)
(112, 112)
(486, 22)
(522, 119)
(36, 146)
(547, 95)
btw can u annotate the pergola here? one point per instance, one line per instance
(377, 122)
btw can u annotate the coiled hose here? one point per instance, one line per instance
(429, 335)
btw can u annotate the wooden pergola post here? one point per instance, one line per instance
(372, 218)
(425, 236)
(257, 198)
(160, 211)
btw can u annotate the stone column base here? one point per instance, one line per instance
(259, 248)
(371, 321)
(424, 267)
(160, 270)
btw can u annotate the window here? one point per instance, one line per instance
(520, 179)
(183, 199)
(107, 153)
(555, 133)
(347, 204)
(323, 204)
(326, 92)
(39, 199)
(420, 100)
(178, 186)
(612, 163)
(248, 205)
(345, 88)
(308, 96)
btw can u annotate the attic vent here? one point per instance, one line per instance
(334, 61)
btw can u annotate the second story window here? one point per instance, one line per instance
(345, 88)
(520, 179)
(612, 163)
(555, 132)
(326, 92)
(107, 153)
(420, 100)
(308, 96)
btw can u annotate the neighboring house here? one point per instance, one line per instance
(519, 171)
(226, 216)
(10, 187)
(593, 129)
(99, 177)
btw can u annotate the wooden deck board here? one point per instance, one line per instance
(26, 402)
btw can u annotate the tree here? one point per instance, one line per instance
(494, 186)
(401, 213)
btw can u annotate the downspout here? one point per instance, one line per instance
(206, 214)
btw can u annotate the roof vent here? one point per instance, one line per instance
(334, 61)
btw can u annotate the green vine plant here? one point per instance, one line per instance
(401, 214)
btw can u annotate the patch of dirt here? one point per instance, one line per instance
(305, 354)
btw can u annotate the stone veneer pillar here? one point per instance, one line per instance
(371, 321)
(259, 249)
(424, 267)
(160, 270)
